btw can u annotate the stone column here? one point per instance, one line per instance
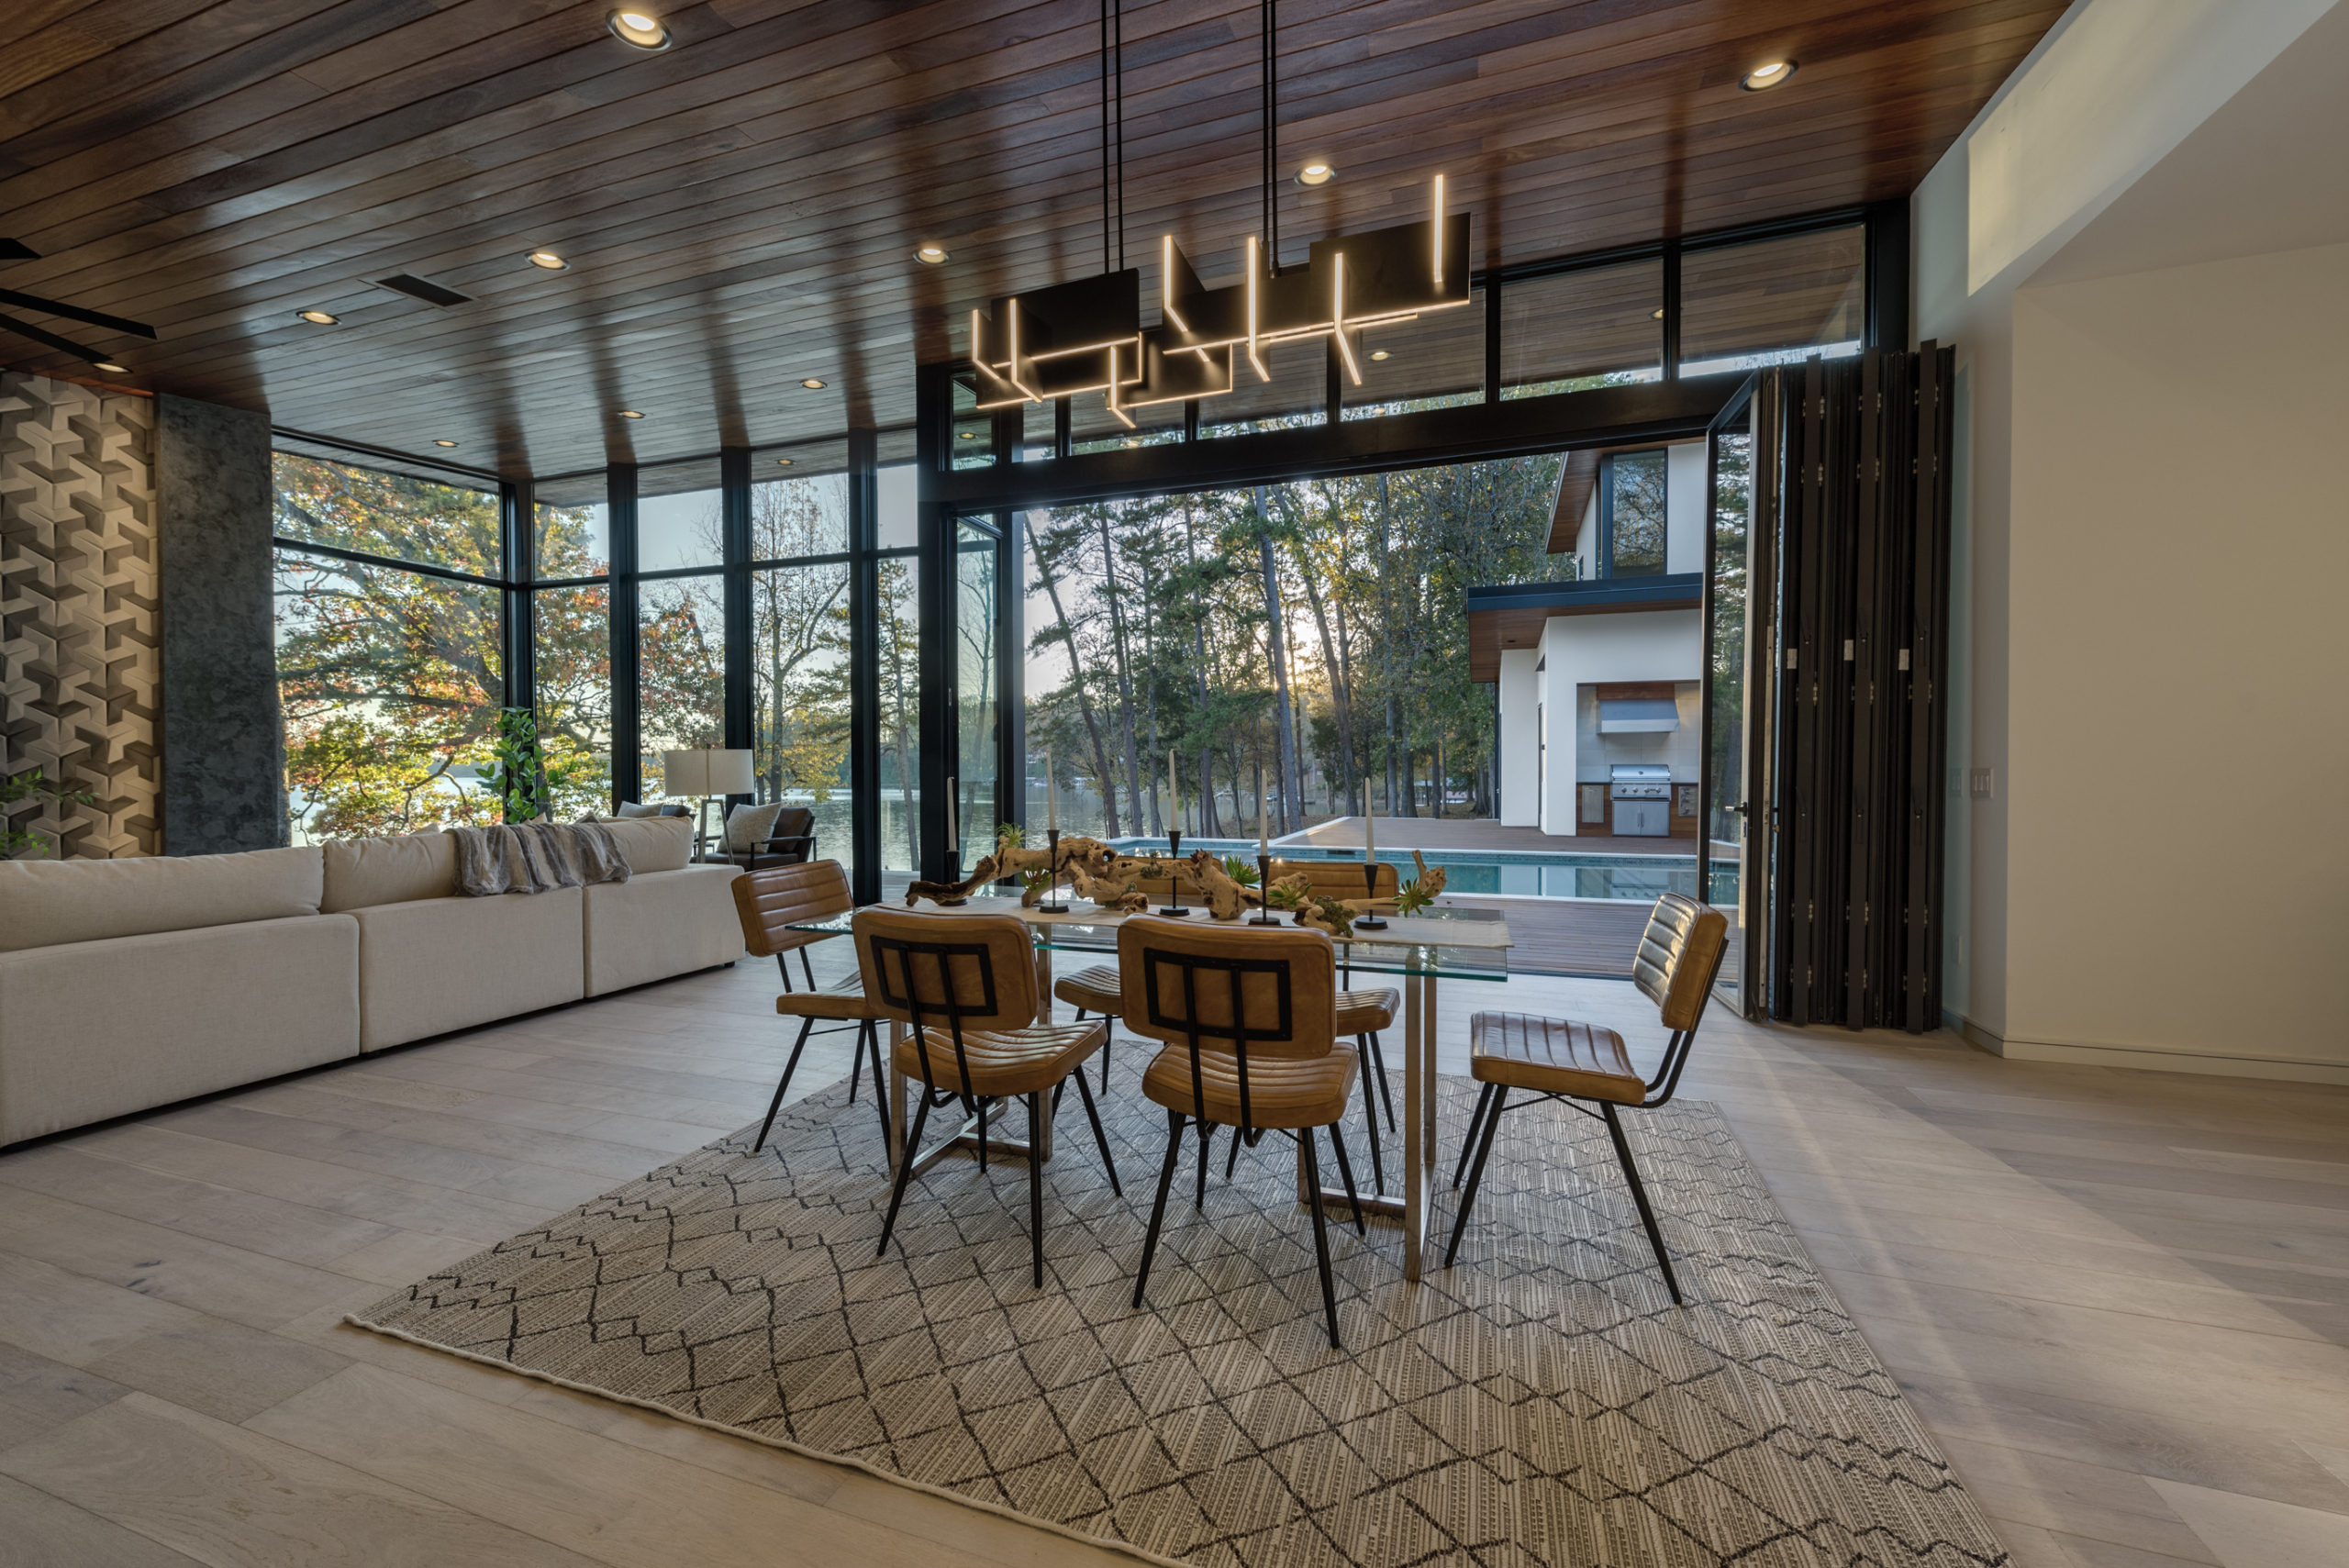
(224, 743)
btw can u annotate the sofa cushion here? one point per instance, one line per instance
(362, 873)
(630, 811)
(747, 827)
(96, 1030)
(650, 928)
(435, 964)
(654, 843)
(50, 902)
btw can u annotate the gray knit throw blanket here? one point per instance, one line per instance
(536, 856)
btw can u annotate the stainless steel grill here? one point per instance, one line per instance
(1642, 796)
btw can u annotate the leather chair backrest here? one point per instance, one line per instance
(993, 966)
(792, 822)
(1150, 954)
(768, 901)
(1339, 879)
(1679, 954)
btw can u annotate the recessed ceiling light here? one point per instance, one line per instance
(931, 254)
(631, 413)
(813, 384)
(1764, 76)
(638, 27)
(318, 317)
(109, 365)
(1316, 175)
(970, 435)
(1656, 315)
(444, 443)
(548, 260)
(782, 463)
(1378, 353)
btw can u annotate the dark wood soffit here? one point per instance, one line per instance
(740, 210)
(1492, 633)
(1577, 477)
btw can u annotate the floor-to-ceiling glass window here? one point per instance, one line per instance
(978, 705)
(681, 613)
(898, 635)
(799, 637)
(572, 642)
(1726, 830)
(389, 632)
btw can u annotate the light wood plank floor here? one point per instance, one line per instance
(2119, 1300)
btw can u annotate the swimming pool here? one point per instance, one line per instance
(1517, 874)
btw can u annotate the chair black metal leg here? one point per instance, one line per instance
(783, 962)
(1385, 1090)
(1476, 1126)
(1231, 1155)
(856, 1072)
(1640, 1196)
(872, 1045)
(1370, 1116)
(980, 1113)
(1099, 1138)
(904, 1174)
(1346, 1172)
(788, 1069)
(1475, 1175)
(1036, 1184)
(806, 968)
(1320, 1233)
(1106, 1041)
(1158, 1210)
(1206, 1136)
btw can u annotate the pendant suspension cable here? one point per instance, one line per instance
(1117, 68)
(1106, 225)
(1271, 211)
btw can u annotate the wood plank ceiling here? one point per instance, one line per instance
(740, 210)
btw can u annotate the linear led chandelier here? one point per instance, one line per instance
(1087, 335)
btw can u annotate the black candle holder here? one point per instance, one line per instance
(1174, 910)
(1367, 920)
(1052, 904)
(1264, 890)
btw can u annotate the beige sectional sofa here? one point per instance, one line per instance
(131, 984)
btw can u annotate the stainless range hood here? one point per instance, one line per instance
(1638, 715)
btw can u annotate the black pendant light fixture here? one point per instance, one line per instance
(1086, 336)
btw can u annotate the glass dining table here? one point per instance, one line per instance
(1436, 944)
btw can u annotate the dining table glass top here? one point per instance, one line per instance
(1436, 942)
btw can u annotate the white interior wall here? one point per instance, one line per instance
(2142, 449)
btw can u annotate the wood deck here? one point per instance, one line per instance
(1566, 936)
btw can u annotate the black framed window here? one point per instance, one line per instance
(392, 641)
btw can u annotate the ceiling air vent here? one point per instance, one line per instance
(424, 289)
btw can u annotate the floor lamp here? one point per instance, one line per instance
(705, 771)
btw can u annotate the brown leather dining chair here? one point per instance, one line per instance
(1364, 1012)
(966, 985)
(1557, 1059)
(767, 902)
(1247, 1023)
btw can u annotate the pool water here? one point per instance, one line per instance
(1511, 873)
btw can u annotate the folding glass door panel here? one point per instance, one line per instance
(1735, 874)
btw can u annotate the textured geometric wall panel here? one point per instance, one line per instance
(80, 661)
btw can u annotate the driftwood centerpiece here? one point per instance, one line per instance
(1091, 868)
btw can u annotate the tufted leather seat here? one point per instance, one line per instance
(1558, 1055)
(1368, 1008)
(1679, 954)
(1280, 1094)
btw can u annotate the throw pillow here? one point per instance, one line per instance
(629, 809)
(747, 825)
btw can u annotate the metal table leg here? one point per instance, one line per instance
(1418, 1115)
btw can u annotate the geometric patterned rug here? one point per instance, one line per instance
(1541, 1403)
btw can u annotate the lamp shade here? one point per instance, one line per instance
(706, 771)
